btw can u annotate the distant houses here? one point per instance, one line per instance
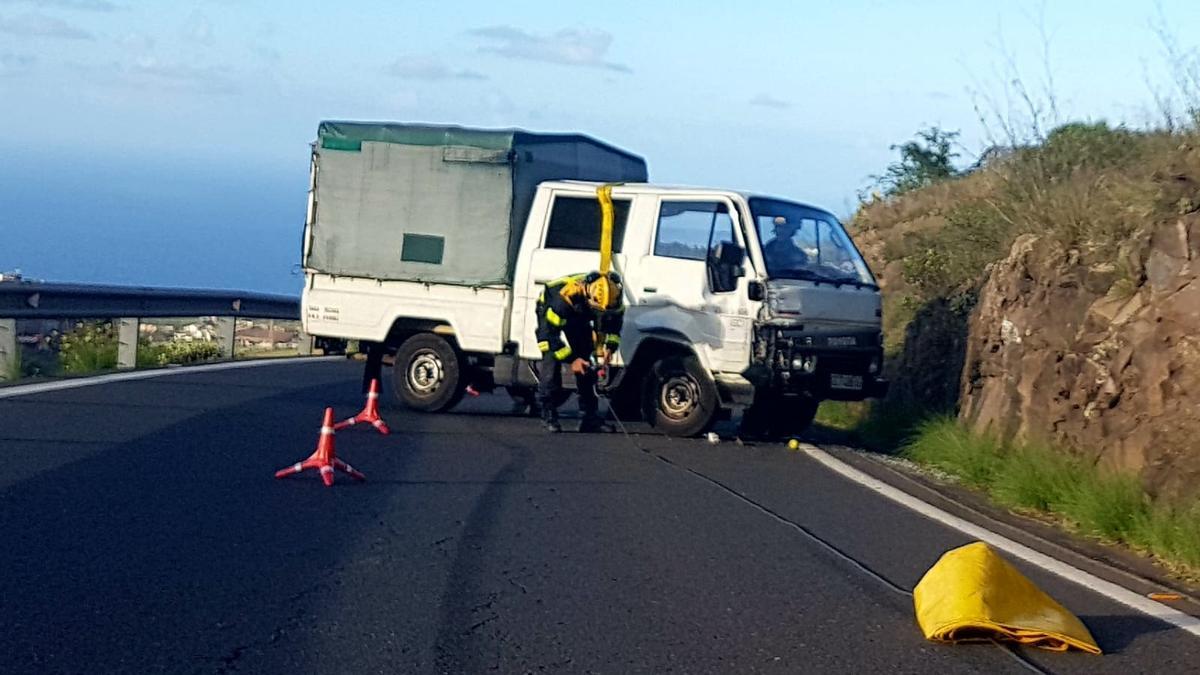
(269, 337)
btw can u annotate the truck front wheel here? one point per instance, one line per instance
(428, 374)
(775, 416)
(679, 397)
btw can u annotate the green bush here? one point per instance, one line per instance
(90, 347)
(176, 353)
(940, 442)
(1035, 478)
(924, 161)
(1080, 145)
(951, 261)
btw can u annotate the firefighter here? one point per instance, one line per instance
(578, 316)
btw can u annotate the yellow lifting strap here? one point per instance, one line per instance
(973, 594)
(604, 194)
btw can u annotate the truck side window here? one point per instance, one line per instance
(690, 230)
(575, 223)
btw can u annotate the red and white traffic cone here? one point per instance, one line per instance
(324, 458)
(369, 414)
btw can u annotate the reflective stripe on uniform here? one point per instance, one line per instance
(612, 339)
(544, 346)
(554, 319)
(563, 353)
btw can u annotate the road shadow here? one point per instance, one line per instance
(1116, 632)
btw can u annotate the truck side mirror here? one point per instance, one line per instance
(755, 291)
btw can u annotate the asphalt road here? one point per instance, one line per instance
(143, 532)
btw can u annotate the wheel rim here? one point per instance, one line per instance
(679, 397)
(425, 372)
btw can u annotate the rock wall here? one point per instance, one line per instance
(1102, 359)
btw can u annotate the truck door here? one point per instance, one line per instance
(570, 245)
(683, 285)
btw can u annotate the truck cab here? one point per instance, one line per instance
(733, 300)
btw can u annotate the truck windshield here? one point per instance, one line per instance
(800, 242)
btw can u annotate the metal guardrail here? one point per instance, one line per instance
(128, 305)
(35, 300)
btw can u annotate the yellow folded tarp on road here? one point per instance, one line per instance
(973, 594)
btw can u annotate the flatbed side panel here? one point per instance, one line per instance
(364, 309)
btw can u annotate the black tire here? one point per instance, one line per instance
(428, 374)
(779, 417)
(625, 403)
(679, 397)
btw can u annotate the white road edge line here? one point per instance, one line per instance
(75, 383)
(1075, 575)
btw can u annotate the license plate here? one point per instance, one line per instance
(845, 381)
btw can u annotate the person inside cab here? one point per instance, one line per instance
(782, 252)
(578, 316)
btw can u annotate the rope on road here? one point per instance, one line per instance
(810, 535)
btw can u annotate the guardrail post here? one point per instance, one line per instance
(127, 343)
(9, 358)
(226, 326)
(306, 344)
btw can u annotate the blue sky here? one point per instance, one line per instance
(166, 143)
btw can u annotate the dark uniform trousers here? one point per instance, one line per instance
(550, 373)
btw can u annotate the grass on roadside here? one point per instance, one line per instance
(1108, 505)
(878, 426)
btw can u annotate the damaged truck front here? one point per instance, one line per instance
(818, 330)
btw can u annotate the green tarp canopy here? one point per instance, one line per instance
(442, 204)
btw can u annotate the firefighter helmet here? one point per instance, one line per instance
(604, 291)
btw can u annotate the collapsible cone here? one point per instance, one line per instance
(324, 459)
(369, 414)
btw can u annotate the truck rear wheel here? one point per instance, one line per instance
(428, 374)
(679, 397)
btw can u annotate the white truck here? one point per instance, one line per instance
(436, 241)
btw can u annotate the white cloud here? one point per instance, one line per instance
(138, 42)
(768, 101)
(152, 74)
(12, 64)
(429, 70)
(198, 29)
(207, 79)
(570, 47)
(40, 25)
(265, 52)
(85, 5)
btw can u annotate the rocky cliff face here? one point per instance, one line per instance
(1101, 359)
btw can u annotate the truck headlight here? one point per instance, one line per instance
(806, 364)
(874, 367)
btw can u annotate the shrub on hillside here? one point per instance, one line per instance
(924, 161)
